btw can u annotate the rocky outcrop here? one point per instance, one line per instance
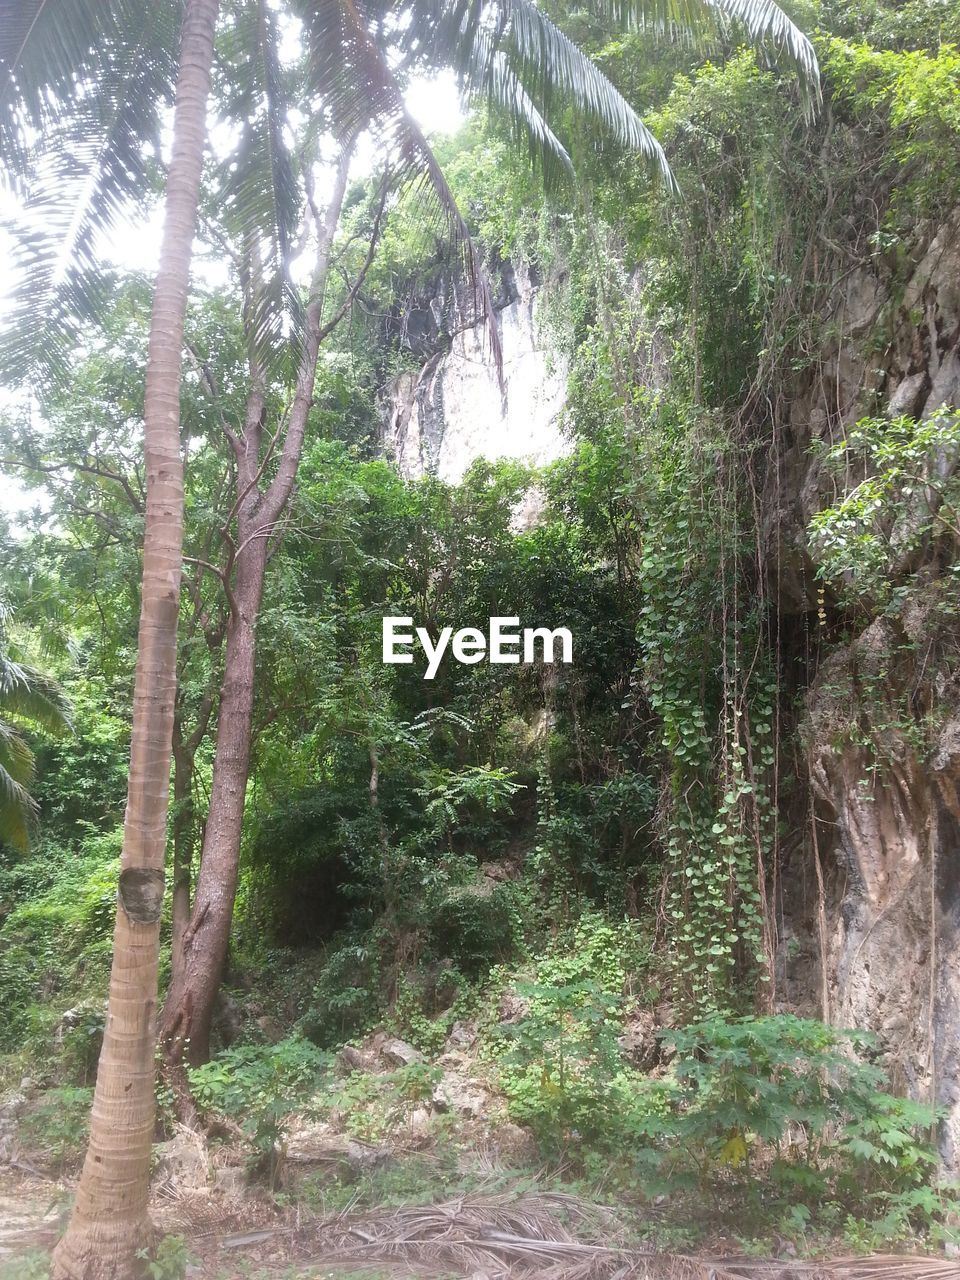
(881, 723)
(894, 347)
(453, 410)
(883, 748)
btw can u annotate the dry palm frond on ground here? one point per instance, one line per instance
(559, 1237)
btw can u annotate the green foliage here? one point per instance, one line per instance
(559, 1079)
(259, 1086)
(641, 780)
(757, 1121)
(55, 938)
(476, 926)
(447, 794)
(918, 94)
(348, 999)
(768, 1113)
(32, 1265)
(28, 698)
(168, 1261)
(559, 1063)
(54, 1128)
(866, 544)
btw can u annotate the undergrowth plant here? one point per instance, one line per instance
(900, 492)
(259, 1087)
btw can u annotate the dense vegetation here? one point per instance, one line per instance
(582, 868)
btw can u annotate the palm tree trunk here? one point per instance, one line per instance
(110, 1221)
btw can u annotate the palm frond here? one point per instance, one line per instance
(16, 758)
(29, 695)
(352, 80)
(559, 1236)
(765, 23)
(258, 190)
(82, 89)
(504, 91)
(17, 808)
(495, 45)
(551, 67)
(46, 48)
(17, 812)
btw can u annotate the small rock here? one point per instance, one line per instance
(512, 1008)
(350, 1058)
(231, 1181)
(419, 1121)
(87, 1011)
(456, 1060)
(639, 1044)
(462, 1036)
(315, 1143)
(181, 1163)
(400, 1054)
(453, 1093)
(514, 1145)
(271, 1029)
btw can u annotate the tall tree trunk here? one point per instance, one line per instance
(182, 842)
(188, 1009)
(194, 984)
(110, 1221)
(185, 818)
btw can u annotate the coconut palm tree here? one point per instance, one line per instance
(27, 698)
(83, 87)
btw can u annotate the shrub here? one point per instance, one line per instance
(54, 1128)
(769, 1113)
(259, 1086)
(56, 937)
(476, 926)
(347, 999)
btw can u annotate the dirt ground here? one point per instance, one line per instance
(519, 1235)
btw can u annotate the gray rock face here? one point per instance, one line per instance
(894, 905)
(882, 717)
(453, 411)
(894, 349)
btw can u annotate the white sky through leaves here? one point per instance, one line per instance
(434, 103)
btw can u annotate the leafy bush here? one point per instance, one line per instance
(906, 495)
(769, 1113)
(560, 1065)
(259, 1086)
(56, 938)
(476, 926)
(766, 1120)
(347, 1000)
(168, 1261)
(54, 1128)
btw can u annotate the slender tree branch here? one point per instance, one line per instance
(86, 467)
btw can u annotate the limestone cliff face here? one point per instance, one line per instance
(881, 721)
(895, 349)
(452, 411)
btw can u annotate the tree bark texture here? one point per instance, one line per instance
(195, 982)
(110, 1220)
